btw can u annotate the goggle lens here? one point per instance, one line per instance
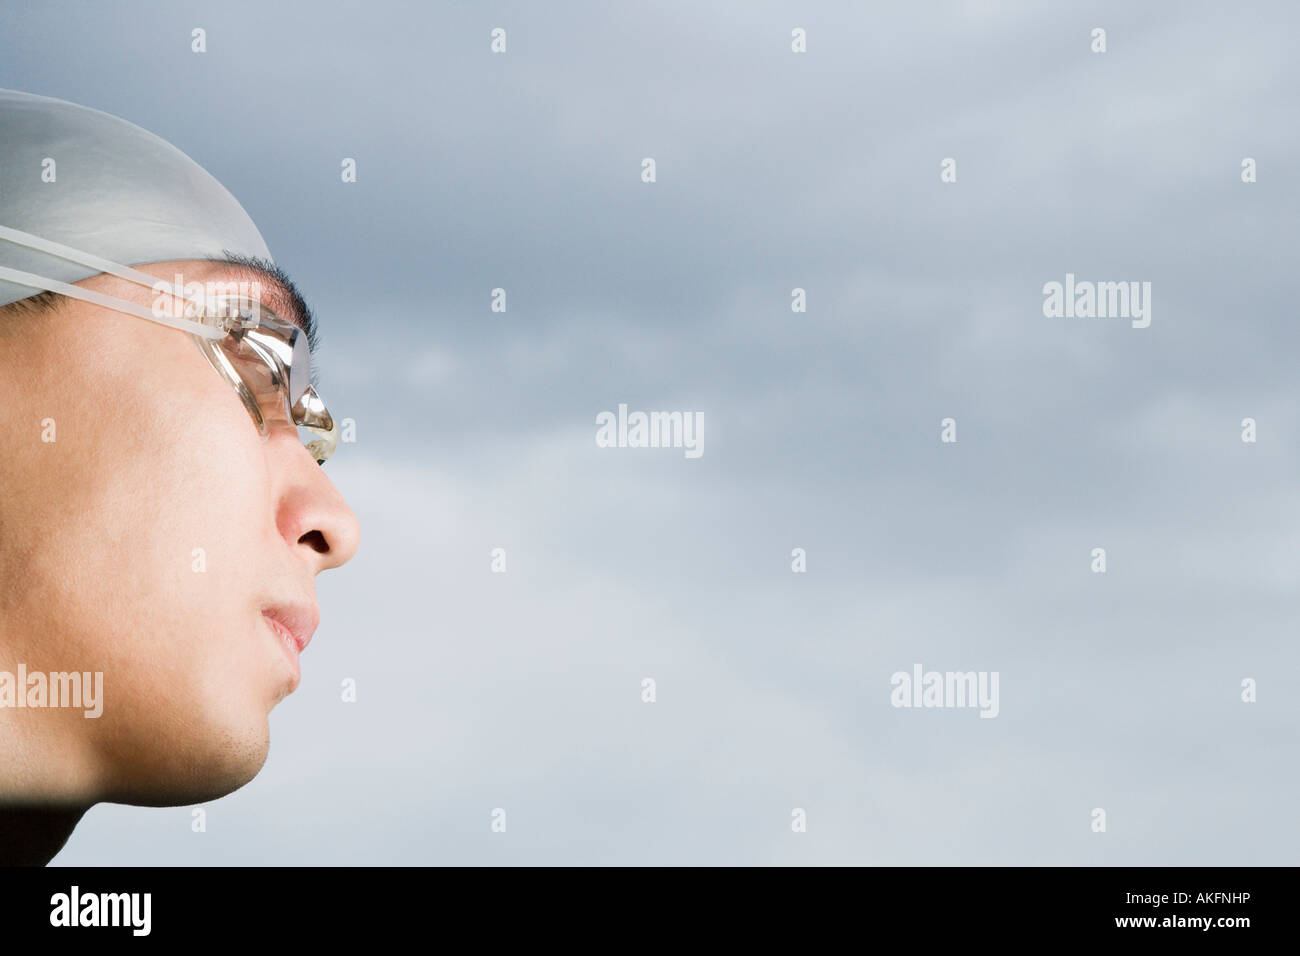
(272, 360)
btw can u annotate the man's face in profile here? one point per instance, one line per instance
(145, 542)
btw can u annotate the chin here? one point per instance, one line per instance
(207, 769)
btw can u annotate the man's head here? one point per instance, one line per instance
(144, 529)
(148, 532)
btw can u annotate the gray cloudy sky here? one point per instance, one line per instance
(475, 429)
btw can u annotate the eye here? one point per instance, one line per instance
(248, 313)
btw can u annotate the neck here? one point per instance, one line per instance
(30, 835)
(44, 789)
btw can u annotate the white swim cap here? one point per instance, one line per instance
(119, 192)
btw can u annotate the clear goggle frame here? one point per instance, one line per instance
(264, 358)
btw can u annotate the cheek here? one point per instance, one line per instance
(188, 477)
(163, 510)
(196, 490)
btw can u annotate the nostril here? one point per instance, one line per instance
(316, 540)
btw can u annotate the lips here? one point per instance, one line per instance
(297, 621)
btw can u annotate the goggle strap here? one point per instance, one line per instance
(107, 301)
(87, 259)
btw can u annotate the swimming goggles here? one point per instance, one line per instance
(263, 357)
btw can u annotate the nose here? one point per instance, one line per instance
(311, 514)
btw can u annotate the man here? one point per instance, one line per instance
(162, 516)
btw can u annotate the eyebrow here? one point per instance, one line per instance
(280, 293)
